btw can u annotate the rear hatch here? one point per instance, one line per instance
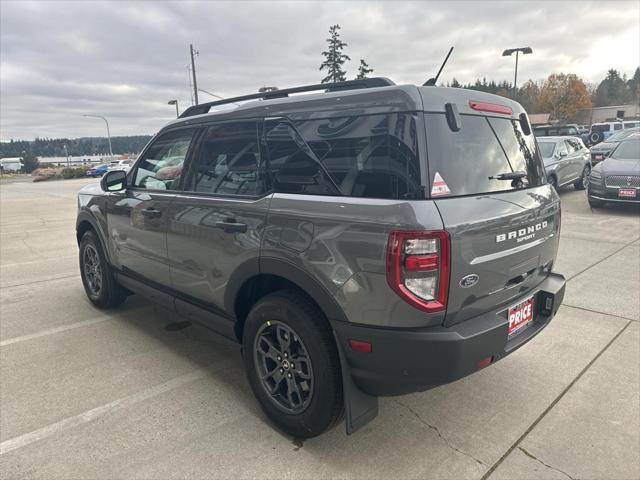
(504, 232)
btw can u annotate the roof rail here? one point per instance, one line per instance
(327, 87)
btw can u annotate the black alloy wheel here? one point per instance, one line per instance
(284, 366)
(92, 271)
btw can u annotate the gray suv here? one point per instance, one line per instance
(368, 239)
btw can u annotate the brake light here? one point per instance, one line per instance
(490, 107)
(418, 268)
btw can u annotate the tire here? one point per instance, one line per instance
(553, 182)
(306, 399)
(583, 183)
(596, 137)
(97, 276)
(593, 203)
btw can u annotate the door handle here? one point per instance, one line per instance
(151, 213)
(230, 225)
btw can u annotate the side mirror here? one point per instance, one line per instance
(563, 154)
(114, 181)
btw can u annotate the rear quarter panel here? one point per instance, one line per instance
(341, 242)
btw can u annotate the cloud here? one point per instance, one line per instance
(126, 60)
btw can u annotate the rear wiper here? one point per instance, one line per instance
(509, 176)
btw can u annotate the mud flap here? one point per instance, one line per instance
(359, 407)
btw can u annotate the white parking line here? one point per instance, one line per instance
(90, 415)
(51, 331)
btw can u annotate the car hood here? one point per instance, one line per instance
(603, 147)
(612, 166)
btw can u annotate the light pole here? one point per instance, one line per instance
(174, 102)
(108, 132)
(507, 53)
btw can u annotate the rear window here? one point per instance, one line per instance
(599, 128)
(567, 131)
(484, 147)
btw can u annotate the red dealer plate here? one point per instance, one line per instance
(520, 316)
(627, 193)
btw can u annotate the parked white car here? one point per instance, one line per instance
(120, 165)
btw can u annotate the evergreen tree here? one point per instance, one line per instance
(29, 162)
(363, 70)
(634, 86)
(612, 90)
(334, 58)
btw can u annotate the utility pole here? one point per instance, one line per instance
(193, 52)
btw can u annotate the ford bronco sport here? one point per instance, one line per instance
(368, 239)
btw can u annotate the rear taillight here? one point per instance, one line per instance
(418, 268)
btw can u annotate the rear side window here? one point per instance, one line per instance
(484, 147)
(372, 156)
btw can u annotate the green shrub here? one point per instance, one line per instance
(73, 172)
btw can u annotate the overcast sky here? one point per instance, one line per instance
(126, 60)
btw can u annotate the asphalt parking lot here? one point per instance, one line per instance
(133, 393)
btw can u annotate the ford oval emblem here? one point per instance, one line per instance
(469, 280)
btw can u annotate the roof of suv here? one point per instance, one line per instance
(384, 99)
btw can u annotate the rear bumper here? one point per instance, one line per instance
(410, 360)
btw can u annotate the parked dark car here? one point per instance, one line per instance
(602, 150)
(566, 161)
(367, 239)
(617, 178)
(98, 170)
(571, 130)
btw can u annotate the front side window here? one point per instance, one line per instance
(161, 166)
(228, 161)
(617, 126)
(470, 160)
(562, 149)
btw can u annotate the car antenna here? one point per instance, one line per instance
(432, 81)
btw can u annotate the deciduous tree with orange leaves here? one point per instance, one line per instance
(563, 96)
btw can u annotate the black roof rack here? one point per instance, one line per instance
(327, 87)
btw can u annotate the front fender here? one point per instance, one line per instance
(86, 216)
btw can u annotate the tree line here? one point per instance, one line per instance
(562, 95)
(55, 147)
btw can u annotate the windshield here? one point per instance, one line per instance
(629, 150)
(618, 137)
(546, 148)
